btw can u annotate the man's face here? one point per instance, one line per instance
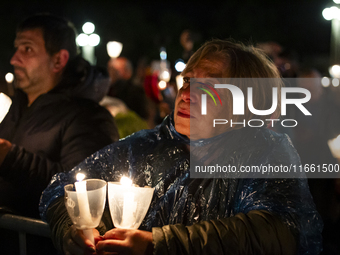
(188, 105)
(33, 66)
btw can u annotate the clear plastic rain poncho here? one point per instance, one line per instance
(160, 158)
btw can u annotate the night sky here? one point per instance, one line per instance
(145, 27)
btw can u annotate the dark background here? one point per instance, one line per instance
(144, 27)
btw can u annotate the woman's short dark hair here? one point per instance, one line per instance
(58, 33)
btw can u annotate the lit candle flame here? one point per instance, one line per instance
(125, 181)
(80, 177)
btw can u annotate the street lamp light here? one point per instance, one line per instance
(9, 77)
(333, 14)
(114, 49)
(88, 40)
(88, 28)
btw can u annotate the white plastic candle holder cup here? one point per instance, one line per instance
(5, 104)
(128, 204)
(86, 209)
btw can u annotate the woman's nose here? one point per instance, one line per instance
(185, 95)
(190, 95)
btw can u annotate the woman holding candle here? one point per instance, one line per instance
(201, 216)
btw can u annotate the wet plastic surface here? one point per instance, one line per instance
(160, 158)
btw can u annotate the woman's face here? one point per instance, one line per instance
(188, 104)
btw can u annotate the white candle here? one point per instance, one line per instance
(129, 205)
(83, 203)
(5, 104)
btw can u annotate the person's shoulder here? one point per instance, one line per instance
(258, 137)
(84, 102)
(144, 140)
(281, 146)
(143, 136)
(272, 136)
(78, 104)
(81, 110)
(282, 138)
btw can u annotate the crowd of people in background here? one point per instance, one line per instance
(310, 137)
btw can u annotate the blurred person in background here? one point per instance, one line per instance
(187, 43)
(311, 134)
(126, 120)
(55, 120)
(311, 137)
(120, 71)
(204, 215)
(286, 61)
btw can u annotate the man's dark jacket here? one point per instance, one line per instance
(54, 134)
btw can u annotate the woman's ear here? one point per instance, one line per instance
(60, 60)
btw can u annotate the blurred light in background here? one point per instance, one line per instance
(162, 85)
(331, 13)
(88, 28)
(163, 54)
(165, 76)
(336, 1)
(88, 38)
(180, 65)
(114, 49)
(335, 71)
(88, 41)
(9, 77)
(325, 82)
(335, 82)
(334, 146)
(179, 81)
(82, 39)
(94, 40)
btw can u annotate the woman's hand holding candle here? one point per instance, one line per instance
(126, 241)
(85, 207)
(75, 242)
(5, 146)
